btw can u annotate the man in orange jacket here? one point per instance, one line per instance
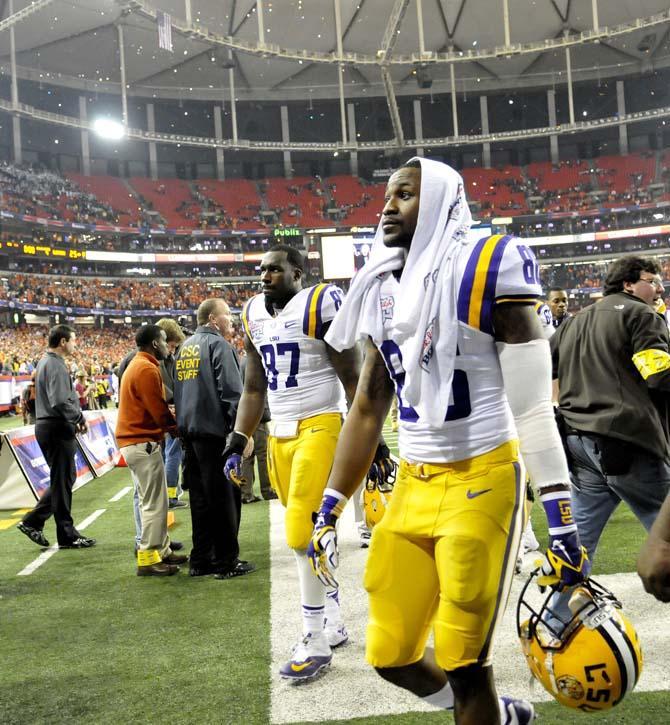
(144, 419)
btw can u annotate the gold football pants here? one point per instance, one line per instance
(443, 558)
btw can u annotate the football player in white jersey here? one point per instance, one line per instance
(305, 381)
(450, 325)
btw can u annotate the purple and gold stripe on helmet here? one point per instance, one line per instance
(476, 296)
(312, 322)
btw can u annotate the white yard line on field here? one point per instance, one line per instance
(116, 497)
(46, 555)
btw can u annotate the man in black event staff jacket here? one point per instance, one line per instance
(207, 389)
(59, 419)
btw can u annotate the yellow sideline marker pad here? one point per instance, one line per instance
(120, 494)
(7, 524)
(46, 555)
(170, 519)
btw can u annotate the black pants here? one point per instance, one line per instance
(56, 439)
(215, 505)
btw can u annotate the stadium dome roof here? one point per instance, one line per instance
(76, 43)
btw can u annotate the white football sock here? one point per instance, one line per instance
(312, 595)
(333, 613)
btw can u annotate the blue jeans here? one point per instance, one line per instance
(172, 457)
(595, 496)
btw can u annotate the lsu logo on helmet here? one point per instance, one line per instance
(377, 492)
(589, 662)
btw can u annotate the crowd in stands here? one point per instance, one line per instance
(593, 222)
(589, 275)
(45, 194)
(118, 293)
(31, 265)
(97, 350)
(238, 204)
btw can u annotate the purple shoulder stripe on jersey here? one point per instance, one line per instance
(305, 318)
(318, 334)
(486, 317)
(465, 291)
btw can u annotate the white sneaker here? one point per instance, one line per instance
(364, 535)
(309, 658)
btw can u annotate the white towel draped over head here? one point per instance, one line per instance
(425, 322)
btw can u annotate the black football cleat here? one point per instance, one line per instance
(82, 542)
(35, 535)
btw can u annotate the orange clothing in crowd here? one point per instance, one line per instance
(143, 413)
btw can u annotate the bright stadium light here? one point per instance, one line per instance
(109, 129)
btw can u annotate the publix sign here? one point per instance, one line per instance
(288, 232)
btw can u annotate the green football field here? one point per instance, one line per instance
(84, 640)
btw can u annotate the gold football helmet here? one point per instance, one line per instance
(377, 493)
(589, 662)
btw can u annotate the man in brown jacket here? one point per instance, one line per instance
(144, 419)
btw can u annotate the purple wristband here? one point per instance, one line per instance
(558, 508)
(333, 502)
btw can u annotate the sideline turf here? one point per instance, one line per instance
(85, 640)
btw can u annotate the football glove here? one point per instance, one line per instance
(232, 457)
(322, 550)
(566, 562)
(383, 466)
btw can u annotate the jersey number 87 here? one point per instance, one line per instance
(270, 352)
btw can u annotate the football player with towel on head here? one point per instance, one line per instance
(305, 381)
(450, 324)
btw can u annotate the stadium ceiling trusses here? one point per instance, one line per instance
(22, 109)
(24, 13)
(384, 53)
(267, 50)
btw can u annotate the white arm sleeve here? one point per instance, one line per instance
(526, 371)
